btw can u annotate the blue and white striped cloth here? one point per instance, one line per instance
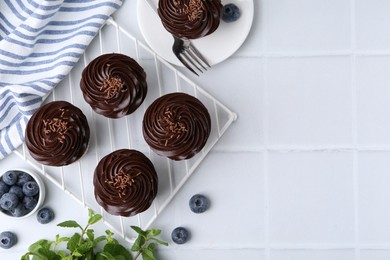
(40, 42)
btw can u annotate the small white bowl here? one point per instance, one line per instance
(41, 196)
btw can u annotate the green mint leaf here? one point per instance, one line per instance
(25, 257)
(62, 254)
(138, 230)
(76, 253)
(106, 255)
(99, 256)
(43, 243)
(50, 255)
(147, 254)
(110, 239)
(73, 242)
(159, 241)
(118, 251)
(90, 213)
(153, 232)
(90, 256)
(151, 246)
(61, 239)
(120, 257)
(90, 234)
(85, 247)
(95, 218)
(138, 243)
(98, 240)
(109, 233)
(70, 224)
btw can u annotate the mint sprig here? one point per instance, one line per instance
(146, 242)
(84, 244)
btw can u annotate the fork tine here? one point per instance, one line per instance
(196, 59)
(185, 63)
(189, 56)
(198, 54)
(191, 59)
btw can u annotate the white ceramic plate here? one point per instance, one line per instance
(216, 47)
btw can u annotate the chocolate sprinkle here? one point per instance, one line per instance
(56, 125)
(112, 86)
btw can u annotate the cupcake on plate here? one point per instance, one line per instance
(125, 182)
(57, 134)
(190, 19)
(177, 126)
(114, 85)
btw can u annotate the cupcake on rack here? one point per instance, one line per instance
(57, 134)
(177, 126)
(114, 85)
(190, 19)
(125, 182)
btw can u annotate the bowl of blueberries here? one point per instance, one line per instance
(22, 193)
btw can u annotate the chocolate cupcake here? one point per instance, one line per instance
(57, 134)
(177, 126)
(125, 182)
(114, 85)
(190, 19)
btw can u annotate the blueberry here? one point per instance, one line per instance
(10, 177)
(4, 188)
(180, 235)
(9, 201)
(19, 211)
(231, 13)
(23, 177)
(29, 202)
(7, 239)
(45, 215)
(199, 203)
(17, 190)
(30, 188)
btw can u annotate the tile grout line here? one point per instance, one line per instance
(312, 54)
(266, 167)
(355, 163)
(266, 198)
(267, 250)
(302, 149)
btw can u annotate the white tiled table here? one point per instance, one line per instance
(303, 174)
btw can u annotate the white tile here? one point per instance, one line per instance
(309, 101)
(253, 45)
(244, 97)
(214, 254)
(375, 255)
(236, 201)
(311, 197)
(373, 94)
(307, 25)
(374, 197)
(312, 255)
(372, 16)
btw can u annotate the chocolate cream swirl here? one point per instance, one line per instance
(125, 182)
(57, 134)
(190, 19)
(114, 85)
(177, 126)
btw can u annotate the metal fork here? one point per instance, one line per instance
(189, 55)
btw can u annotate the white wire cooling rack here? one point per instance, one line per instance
(108, 135)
